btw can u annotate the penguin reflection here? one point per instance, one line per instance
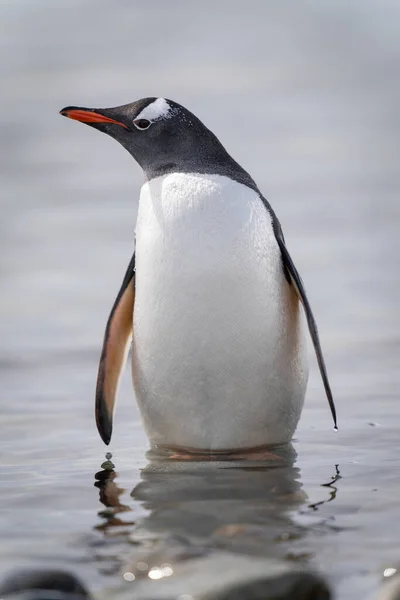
(109, 495)
(241, 506)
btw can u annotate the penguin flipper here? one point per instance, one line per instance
(293, 276)
(117, 338)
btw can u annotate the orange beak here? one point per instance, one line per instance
(88, 116)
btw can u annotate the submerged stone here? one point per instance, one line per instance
(225, 576)
(43, 584)
(298, 585)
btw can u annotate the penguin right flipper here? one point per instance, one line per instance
(117, 339)
(293, 277)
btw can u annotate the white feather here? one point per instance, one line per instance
(219, 356)
(159, 109)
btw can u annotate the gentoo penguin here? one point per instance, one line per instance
(210, 299)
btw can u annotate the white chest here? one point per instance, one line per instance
(216, 330)
(201, 224)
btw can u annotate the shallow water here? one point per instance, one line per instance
(306, 97)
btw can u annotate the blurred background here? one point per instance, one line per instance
(305, 95)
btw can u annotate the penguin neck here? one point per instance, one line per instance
(214, 162)
(228, 169)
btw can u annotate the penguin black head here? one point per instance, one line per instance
(162, 136)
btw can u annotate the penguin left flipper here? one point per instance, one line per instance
(295, 279)
(117, 338)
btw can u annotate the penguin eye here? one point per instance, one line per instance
(142, 124)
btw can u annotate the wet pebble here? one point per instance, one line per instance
(108, 465)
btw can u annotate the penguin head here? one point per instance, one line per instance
(160, 134)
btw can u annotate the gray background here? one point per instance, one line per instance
(305, 95)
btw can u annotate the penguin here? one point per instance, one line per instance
(211, 299)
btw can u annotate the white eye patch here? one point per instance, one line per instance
(159, 109)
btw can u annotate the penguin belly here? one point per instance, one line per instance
(219, 356)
